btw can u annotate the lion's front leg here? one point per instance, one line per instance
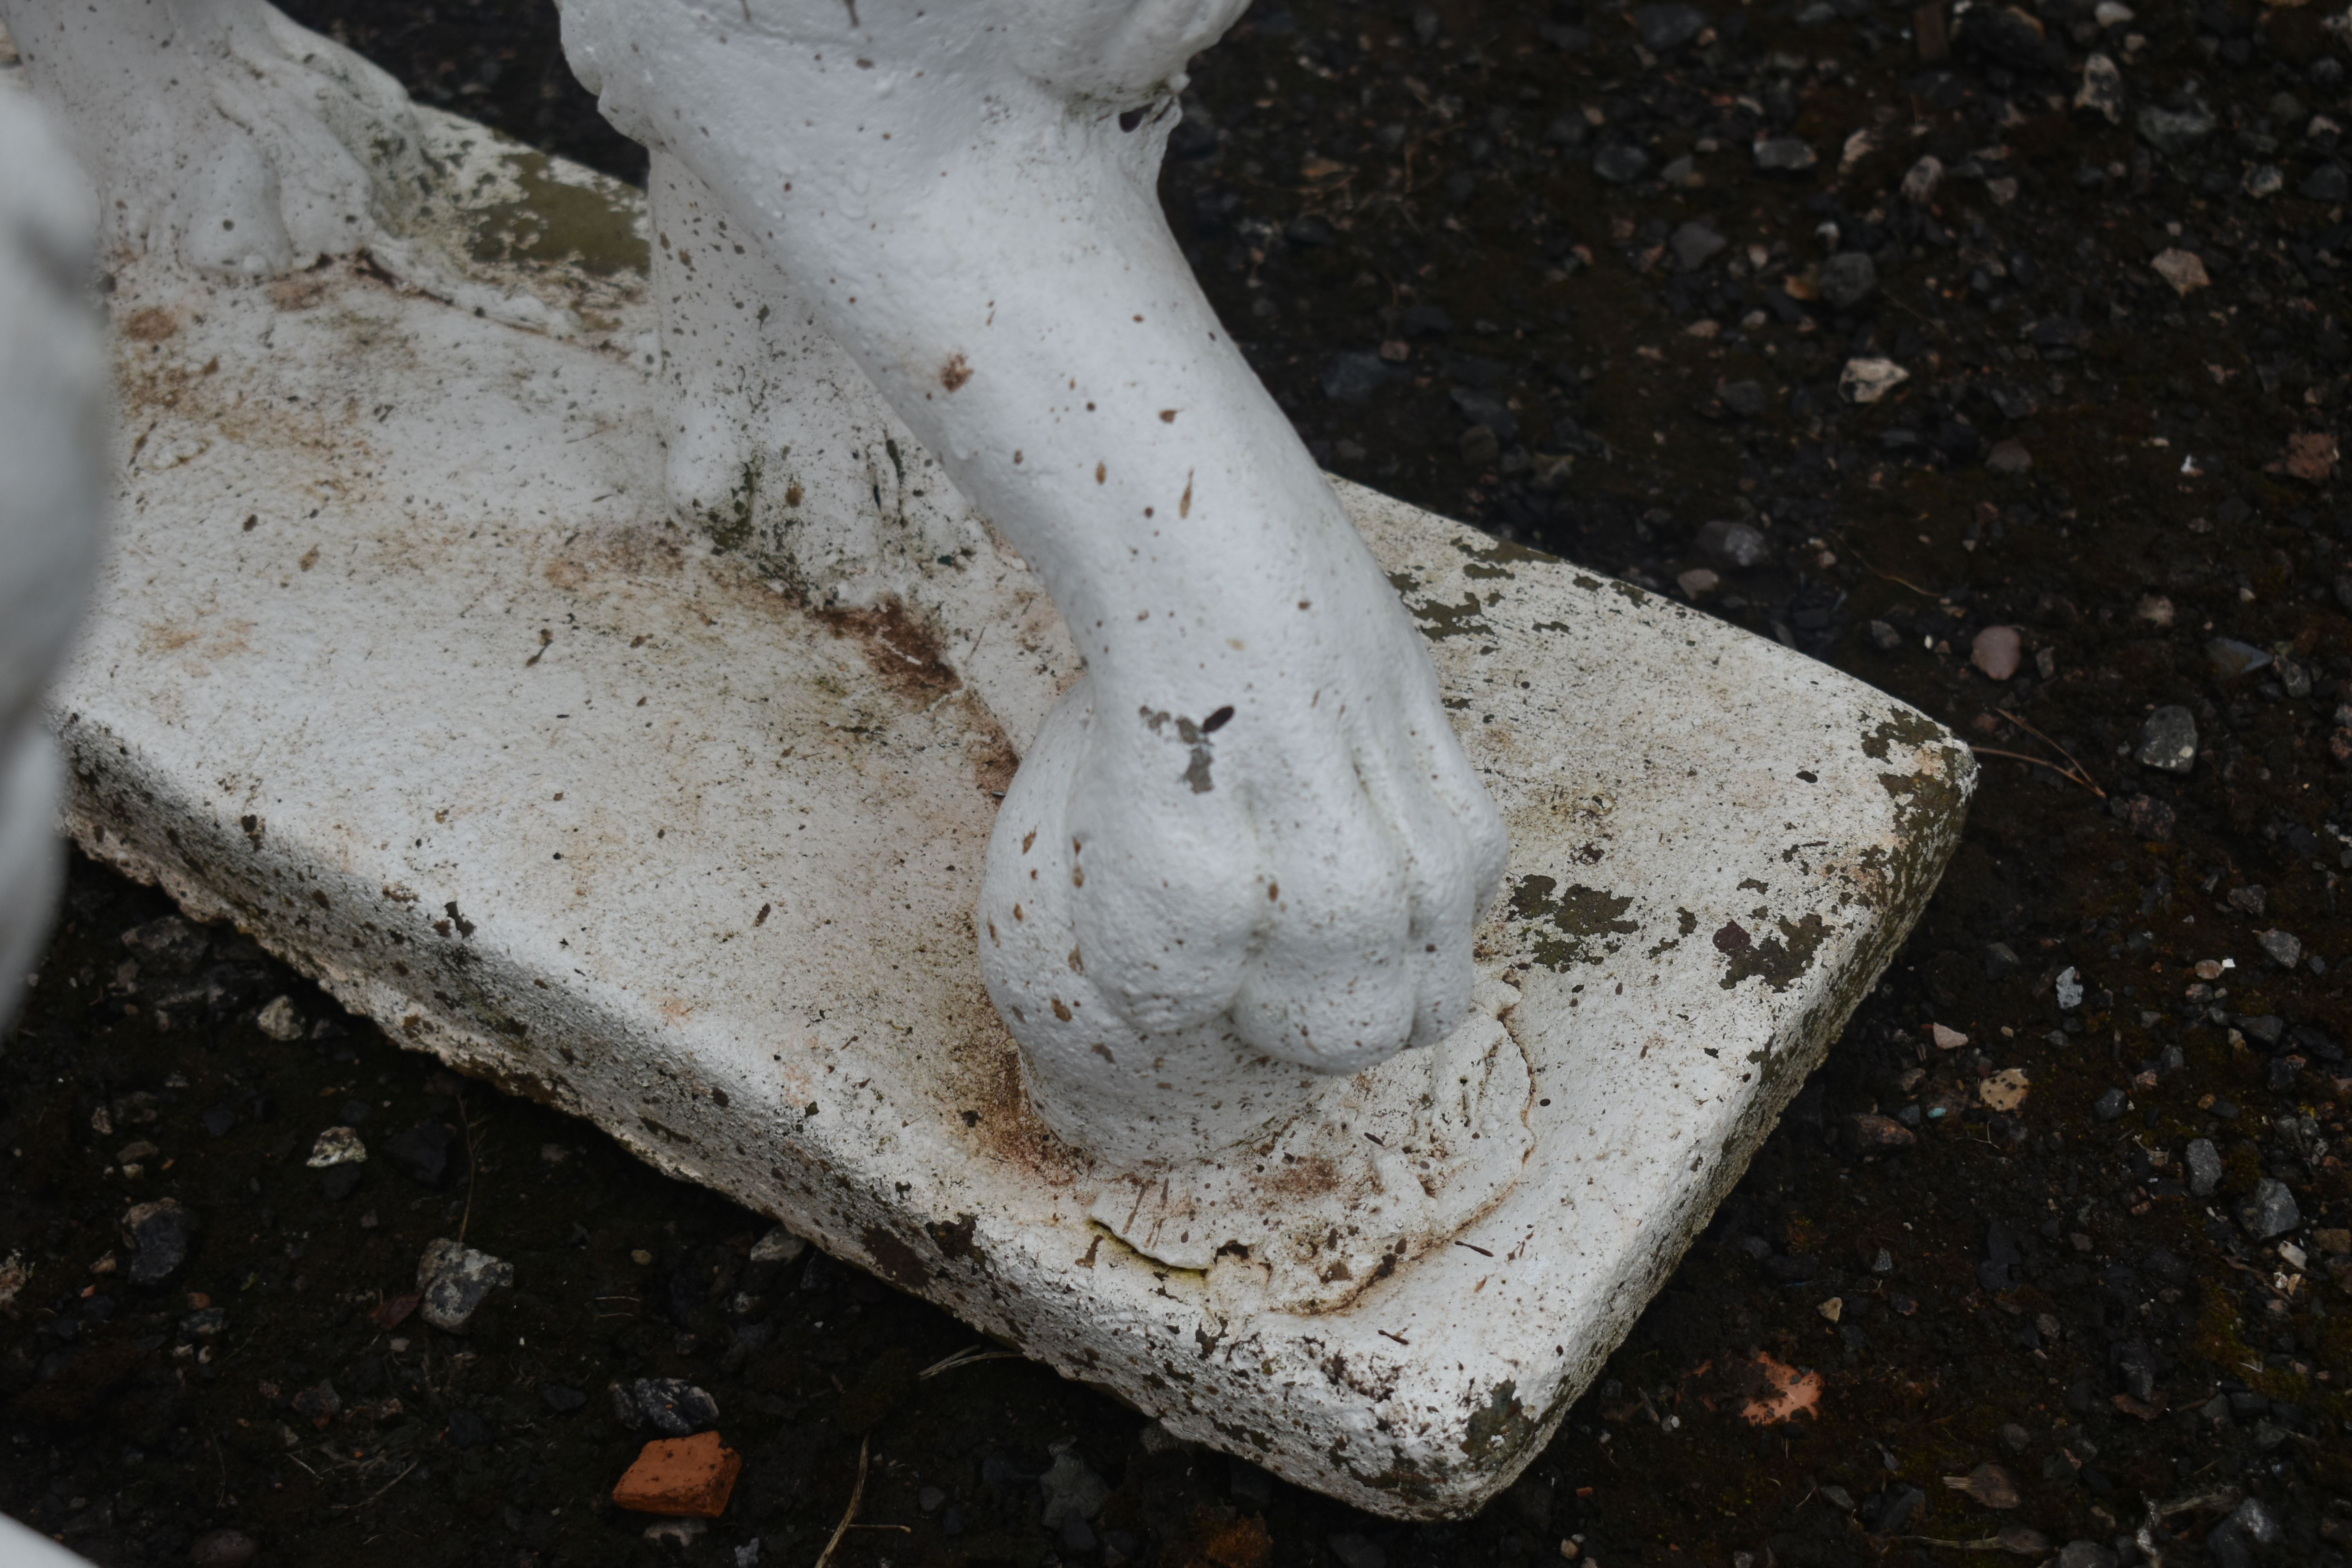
(1253, 835)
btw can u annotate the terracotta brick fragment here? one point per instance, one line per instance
(687, 1476)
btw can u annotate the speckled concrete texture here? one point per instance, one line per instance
(398, 663)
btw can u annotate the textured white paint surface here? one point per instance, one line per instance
(741, 940)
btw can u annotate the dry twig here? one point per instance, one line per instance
(970, 1357)
(856, 1496)
(371, 1500)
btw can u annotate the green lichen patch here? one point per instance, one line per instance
(557, 221)
(1906, 727)
(1496, 557)
(1494, 1424)
(1777, 961)
(1585, 924)
(1440, 621)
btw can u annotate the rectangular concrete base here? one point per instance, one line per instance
(400, 665)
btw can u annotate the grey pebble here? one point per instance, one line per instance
(1787, 154)
(2084, 1554)
(1665, 27)
(1696, 244)
(778, 1247)
(2270, 1212)
(1620, 164)
(2110, 1105)
(2204, 1167)
(1745, 398)
(161, 1233)
(1739, 545)
(171, 944)
(1072, 1490)
(2168, 740)
(669, 1405)
(2173, 131)
(2232, 659)
(2254, 1516)
(2282, 948)
(1353, 378)
(455, 1280)
(1848, 279)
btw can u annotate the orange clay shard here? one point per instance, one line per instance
(690, 1476)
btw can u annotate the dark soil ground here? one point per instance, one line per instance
(1529, 267)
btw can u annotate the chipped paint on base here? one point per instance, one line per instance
(465, 728)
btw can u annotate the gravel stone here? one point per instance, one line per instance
(2282, 948)
(2173, 131)
(1696, 244)
(2110, 1106)
(170, 944)
(1786, 154)
(2232, 659)
(1923, 180)
(2009, 457)
(2102, 92)
(336, 1146)
(1664, 28)
(1868, 379)
(1354, 377)
(421, 1153)
(223, 1549)
(1736, 546)
(1848, 279)
(2167, 740)
(1072, 1490)
(278, 1020)
(2328, 183)
(2253, 1517)
(455, 1280)
(2068, 988)
(161, 1233)
(2084, 1554)
(2270, 1212)
(1997, 651)
(669, 1405)
(1620, 164)
(778, 1247)
(1745, 398)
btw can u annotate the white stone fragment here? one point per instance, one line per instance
(278, 1020)
(337, 1146)
(1868, 379)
